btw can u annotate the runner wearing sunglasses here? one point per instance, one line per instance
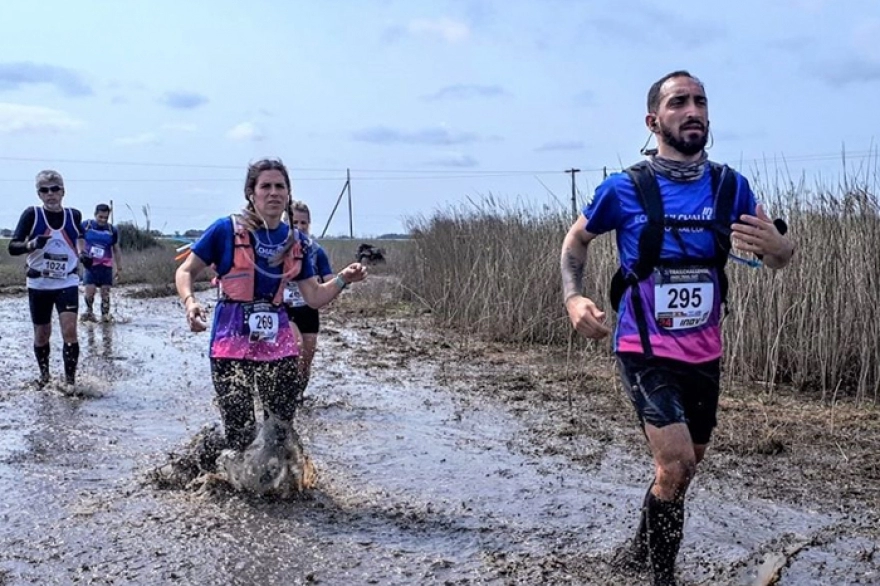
(51, 237)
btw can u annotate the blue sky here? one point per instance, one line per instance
(428, 103)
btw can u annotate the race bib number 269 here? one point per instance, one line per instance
(262, 322)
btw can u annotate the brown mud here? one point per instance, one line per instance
(441, 460)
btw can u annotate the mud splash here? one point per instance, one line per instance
(436, 467)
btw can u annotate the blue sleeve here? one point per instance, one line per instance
(308, 269)
(215, 246)
(746, 202)
(323, 262)
(603, 212)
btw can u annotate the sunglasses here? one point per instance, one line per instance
(53, 189)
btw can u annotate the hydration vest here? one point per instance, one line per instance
(724, 188)
(239, 284)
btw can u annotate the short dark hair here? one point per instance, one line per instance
(102, 207)
(654, 92)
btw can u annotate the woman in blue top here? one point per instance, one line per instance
(304, 318)
(255, 254)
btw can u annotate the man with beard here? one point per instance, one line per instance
(675, 216)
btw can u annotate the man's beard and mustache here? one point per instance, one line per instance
(684, 146)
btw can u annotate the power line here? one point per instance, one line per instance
(341, 171)
(390, 174)
(300, 179)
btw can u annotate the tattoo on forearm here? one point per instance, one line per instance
(572, 274)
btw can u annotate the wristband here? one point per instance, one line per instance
(340, 282)
(188, 297)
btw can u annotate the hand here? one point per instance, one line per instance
(196, 316)
(354, 273)
(85, 259)
(38, 242)
(759, 235)
(587, 319)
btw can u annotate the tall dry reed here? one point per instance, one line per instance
(491, 269)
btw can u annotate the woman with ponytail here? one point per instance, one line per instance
(306, 319)
(252, 344)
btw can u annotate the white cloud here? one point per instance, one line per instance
(21, 118)
(453, 159)
(865, 38)
(143, 138)
(447, 29)
(183, 127)
(245, 131)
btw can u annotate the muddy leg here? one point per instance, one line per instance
(42, 354)
(675, 461)
(70, 350)
(633, 555)
(233, 382)
(307, 355)
(70, 354)
(89, 315)
(279, 384)
(105, 303)
(664, 524)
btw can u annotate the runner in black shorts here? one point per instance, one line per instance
(306, 319)
(676, 216)
(51, 236)
(102, 245)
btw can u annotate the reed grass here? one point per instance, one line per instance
(491, 269)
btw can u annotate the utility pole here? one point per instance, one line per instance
(338, 200)
(350, 219)
(574, 207)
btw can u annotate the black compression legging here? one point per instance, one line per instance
(276, 382)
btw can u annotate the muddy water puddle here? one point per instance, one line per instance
(417, 484)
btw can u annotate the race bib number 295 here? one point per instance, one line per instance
(683, 298)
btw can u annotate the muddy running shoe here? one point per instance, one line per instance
(88, 317)
(665, 579)
(632, 557)
(175, 475)
(107, 318)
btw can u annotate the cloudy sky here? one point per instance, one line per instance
(429, 103)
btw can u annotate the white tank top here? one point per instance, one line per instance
(56, 261)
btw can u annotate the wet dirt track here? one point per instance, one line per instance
(426, 476)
